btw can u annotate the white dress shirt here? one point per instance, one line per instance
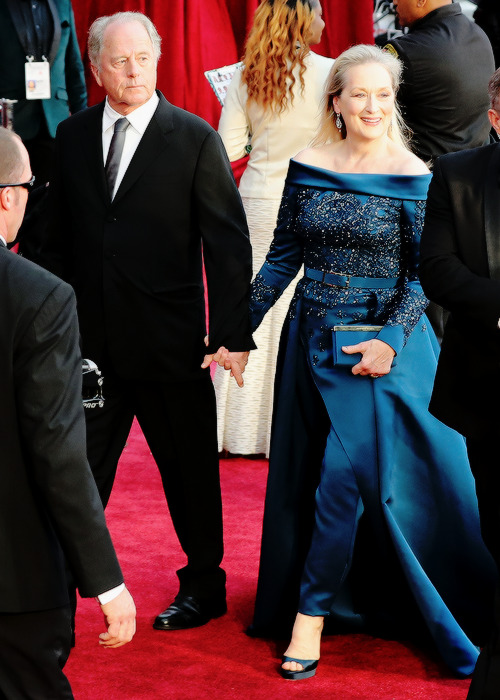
(139, 119)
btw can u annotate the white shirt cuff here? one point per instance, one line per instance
(108, 596)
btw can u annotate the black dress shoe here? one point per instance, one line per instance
(187, 612)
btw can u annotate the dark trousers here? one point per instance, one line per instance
(180, 425)
(34, 648)
(485, 466)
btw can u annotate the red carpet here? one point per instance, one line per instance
(218, 661)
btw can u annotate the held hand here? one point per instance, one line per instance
(221, 354)
(238, 362)
(119, 617)
(233, 361)
(376, 358)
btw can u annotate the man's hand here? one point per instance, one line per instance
(233, 361)
(119, 616)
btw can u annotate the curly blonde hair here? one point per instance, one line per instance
(278, 42)
(356, 56)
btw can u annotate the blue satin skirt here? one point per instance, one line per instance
(389, 463)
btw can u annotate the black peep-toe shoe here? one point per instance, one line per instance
(308, 668)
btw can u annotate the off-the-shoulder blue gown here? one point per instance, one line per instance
(371, 515)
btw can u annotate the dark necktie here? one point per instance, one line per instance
(115, 152)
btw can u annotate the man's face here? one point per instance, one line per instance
(407, 11)
(127, 66)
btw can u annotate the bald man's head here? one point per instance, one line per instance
(13, 156)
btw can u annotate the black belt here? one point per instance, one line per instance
(335, 280)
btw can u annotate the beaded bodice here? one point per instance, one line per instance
(361, 225)
(345, 232)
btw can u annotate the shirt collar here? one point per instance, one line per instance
(2, 240)
(139, 118)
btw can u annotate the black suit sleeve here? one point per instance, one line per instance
(445, 277)
(226, 248)
(47, 373)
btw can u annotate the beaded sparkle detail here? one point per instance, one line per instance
(343, 232)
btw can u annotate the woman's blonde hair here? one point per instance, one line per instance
(336, 81)
(278, 42)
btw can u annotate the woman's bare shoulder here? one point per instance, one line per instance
(407, 163)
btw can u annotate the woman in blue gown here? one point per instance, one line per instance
(371, 516)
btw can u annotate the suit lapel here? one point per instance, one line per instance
(153, 142)
(19, 24)
(492, 213)
(93, 150)
(56, 39)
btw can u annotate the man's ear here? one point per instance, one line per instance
(494, 118)
(7, 198)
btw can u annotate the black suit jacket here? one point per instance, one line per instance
(460, 270)
(48, 499)
(136, 262)
(447, 63)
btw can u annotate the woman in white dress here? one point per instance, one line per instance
(273, 105)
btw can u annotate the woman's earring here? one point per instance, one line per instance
(338, 123)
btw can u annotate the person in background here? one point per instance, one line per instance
(50, 510)
(272, 104)
(447, 63)
(44, 31)
(460, 269)
(142, 194)
(370, 517)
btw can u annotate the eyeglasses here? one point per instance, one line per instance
(27, 185)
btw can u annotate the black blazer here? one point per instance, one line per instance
(460, 270)
(447, 63)
(136, 262)
(48, 498)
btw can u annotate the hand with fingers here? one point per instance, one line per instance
(376, 359)
(235, 362)
(119, 616)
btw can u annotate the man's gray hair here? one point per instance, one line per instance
(99, 26)
(11, 161)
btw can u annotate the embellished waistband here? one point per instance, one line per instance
(334, 279)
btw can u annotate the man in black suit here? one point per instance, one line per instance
(50, 509)
(460, 270)
(128, 232)
(45, 31)
(447, 62)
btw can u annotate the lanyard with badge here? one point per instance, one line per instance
(37, 78)
(37, 73)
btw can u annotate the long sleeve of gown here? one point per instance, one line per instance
(410, 302)
(282, 263)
